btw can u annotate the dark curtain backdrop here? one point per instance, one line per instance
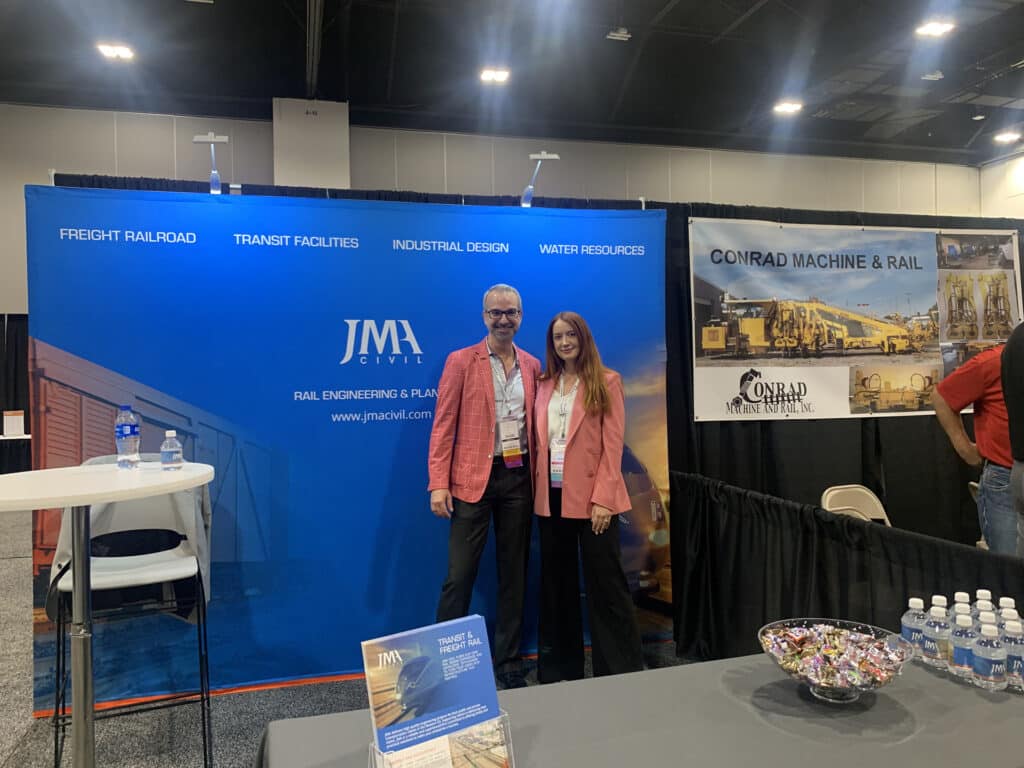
(742, 559)
(15, 455)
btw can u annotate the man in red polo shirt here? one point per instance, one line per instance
(978, 382)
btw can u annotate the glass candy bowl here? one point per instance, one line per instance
(838, 660)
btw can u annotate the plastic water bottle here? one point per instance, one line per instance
(959, 598)
(959, 609)
(989, 660)
(985, 617)
(171, 454)
(1006, 615)
(912, 624)
(980, 594)
(126, 435)
(982, 606)
(1013, 642)
(961, 647)
(935, 650)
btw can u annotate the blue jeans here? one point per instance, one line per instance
(996, 513)
(1017, 481)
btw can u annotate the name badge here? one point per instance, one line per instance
(557, 461)
(508, 429)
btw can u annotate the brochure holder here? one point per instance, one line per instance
(485, 744)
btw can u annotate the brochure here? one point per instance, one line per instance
(428, 683)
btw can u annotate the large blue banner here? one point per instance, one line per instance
(296, 345)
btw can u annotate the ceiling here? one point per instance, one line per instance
(695, 72)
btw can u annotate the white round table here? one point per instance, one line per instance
(79, 488)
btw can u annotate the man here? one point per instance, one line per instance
(481, 448)
(1013, 391)
(978, 382)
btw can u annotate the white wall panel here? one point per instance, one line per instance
(145, 145)
(512, 167)
(1002, 189)
(843, 185)
(373, 158)
(252, 152)
(468, 163)
(690, 171)
(420, 161)
(881, 187)
(605, 171)
(956, 191)
(917, 188)
(648, 172)
(802, 182)
(746, 178)
(83, 141)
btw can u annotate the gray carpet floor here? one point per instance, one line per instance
(166, 738)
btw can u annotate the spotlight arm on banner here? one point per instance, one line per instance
(527, 198)
(212, 139)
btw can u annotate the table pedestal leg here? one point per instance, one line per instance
(83, 745)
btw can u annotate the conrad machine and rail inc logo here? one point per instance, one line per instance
(758, 395)
(381, 342)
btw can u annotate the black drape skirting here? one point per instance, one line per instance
(15, 455)
(741, 559)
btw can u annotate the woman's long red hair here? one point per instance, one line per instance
(588, 363)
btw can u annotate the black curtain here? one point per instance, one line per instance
(741, 559)
(15, 455)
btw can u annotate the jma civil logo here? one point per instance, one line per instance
(393, 343)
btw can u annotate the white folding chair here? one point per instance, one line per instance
(148, 555)
(856, 496)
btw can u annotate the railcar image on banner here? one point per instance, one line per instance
(296, 345)
(795, 321)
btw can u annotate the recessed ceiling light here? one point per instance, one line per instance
(933, 76)
(115, 51)
(787, 107)
(935, 28)
(1007, 137)
(978, 117)
(493, 75)
(619, 33)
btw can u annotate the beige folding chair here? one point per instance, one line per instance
(856, 496)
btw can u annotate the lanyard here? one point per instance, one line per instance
(507, 382)
(563, 405)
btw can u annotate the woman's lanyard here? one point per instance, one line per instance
(558, 444)
(563, 402)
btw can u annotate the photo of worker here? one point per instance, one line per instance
(975, 250)
(976, 305)
(892, 389)
(998, 306)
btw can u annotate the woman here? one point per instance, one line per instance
(578, 494)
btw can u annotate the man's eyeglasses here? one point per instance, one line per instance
(497, 314)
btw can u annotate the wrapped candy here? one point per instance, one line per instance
(830, 656)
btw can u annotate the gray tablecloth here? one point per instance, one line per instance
(736, 712)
